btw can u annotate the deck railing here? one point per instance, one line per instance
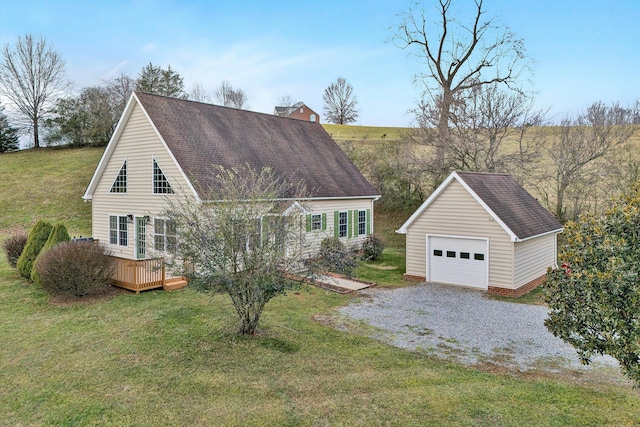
(139, 275)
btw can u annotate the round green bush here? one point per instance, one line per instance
(58, 235)
(13, 247)
(372, 247)
(76, 269)
(37, 238)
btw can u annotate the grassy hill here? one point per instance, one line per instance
(363, 133)
(47, 184)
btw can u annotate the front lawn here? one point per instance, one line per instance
(172, 358)
(388, 271)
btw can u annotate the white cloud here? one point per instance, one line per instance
(117, 69)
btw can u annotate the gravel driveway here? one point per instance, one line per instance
(465, 326)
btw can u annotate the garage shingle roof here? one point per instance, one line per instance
(515, 207)
(202, 135)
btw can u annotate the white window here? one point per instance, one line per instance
(160, 183)
(120, 183)
(316, 222)
(343, 224)
(312, 117)
(118, 230)
(164, 235)
(274, 230)
(362, 222)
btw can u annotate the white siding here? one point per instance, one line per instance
(533, 257)
(456, 213)
(328, 207)
(138, 144)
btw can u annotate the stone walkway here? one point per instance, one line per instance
(341, 284)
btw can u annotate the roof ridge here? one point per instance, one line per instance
(208, 104)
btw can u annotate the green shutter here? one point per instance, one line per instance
(349, 224)
(324, 221)
(368, 221)
(335, 223)
(308, 223)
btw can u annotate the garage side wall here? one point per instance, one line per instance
(456, 213)
(533, 257)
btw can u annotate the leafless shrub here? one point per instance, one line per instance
(76, 269)
(13, 247)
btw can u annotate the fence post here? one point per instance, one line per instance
(163, 273)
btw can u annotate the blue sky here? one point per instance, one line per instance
(583, 51)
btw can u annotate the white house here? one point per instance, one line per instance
(164, 146)
(481, 230)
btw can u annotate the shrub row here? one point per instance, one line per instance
(48, 258)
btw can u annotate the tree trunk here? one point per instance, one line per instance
(562, 185)
(443, 137)
(36, 136)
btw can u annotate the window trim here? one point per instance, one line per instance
(362, 223)
(316, 222)
(166, 246)
(122, 233)
(340, 224)
(115, 180)
(169, 189)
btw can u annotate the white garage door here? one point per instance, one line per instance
(457, 261)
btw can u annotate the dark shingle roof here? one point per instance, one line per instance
(511, 203)
(202, 135)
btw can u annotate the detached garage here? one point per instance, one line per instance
(484, 231)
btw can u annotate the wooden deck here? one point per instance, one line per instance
(144, 274)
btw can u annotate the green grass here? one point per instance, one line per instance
(172, 358)
(363, 133)
(47, 184)
(535, 297)
(387, 271)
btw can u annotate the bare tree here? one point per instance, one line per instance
(489, 118)
(32, 78)
(458, 57)
(574, 148)
(199, 94)
(229, 97)
(244, 242)
(285, 101)
(340, 103)
(120, 89)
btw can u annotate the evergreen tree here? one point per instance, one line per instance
(37, 238)
(57, 235)
(153, 79)
(8, 134)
